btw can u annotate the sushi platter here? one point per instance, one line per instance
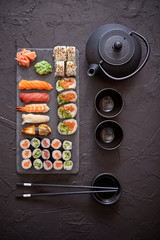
(47, 137)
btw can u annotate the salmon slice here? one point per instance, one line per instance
(34, 84)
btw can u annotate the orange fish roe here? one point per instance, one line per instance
(70, 124)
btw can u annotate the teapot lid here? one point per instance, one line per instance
(116, 47)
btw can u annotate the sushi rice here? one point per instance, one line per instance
(25, 143)
(56, 154)
(26, 153)
(37, 164)
(68, 165)
(26, 164)
(58, 165)
(47, 165)
(67, 145)
(37, 153)
(66, 155)
(35, 142)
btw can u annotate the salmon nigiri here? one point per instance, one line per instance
(34, 108)
(34, 84)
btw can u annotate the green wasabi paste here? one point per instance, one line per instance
(43, 67)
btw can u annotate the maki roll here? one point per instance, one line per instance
(67, 97)
(59, 69)
(35, 142)
(45, 154)
(26, 153)
(67, 127)
(45, 143)
(66, 155)
(26, 164)
(58, 165)
(56, 154)
(67, 111)
(65, 83)
(71, 68)
(68, 165)
(47, 165)
(37, 153)
(37, 164)
(25, 143)
(60, 53)
(71, 54)
(56, 143)
(67, 145)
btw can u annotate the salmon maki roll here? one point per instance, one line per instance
(65, 83)
(34, 84)
(67, 97)
(67, 111)
(34, 97)
(26, 164)
(67, 127)
(56, 143)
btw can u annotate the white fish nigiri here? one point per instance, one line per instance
(34, 118)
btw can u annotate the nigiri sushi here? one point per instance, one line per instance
(34, 97)
(65, 83)
(66, 97)
(34, 118)
(34, 84)
(41, 129)
(34, 108)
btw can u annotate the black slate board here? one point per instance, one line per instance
(30, 74)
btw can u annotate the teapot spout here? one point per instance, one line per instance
(93, 68)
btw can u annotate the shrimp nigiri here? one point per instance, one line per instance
(34, 108)
(34, 84)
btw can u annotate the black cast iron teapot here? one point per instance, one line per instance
(116, 51)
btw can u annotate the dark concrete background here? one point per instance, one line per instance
(136, 163)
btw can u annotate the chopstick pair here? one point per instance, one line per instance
(29, 195)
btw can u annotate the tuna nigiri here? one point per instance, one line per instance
(34, 118)
(41, 129)
(34, 108)
(34, 97)
(34, 84)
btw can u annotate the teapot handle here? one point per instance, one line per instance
(139, 68)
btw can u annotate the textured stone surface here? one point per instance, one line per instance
(136, 164)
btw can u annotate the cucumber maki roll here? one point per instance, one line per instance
(68, 165)
(35, 142)
(66, 155)
(37, 153)
(67, 145)
(37, 164)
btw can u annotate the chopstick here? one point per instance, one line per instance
(64, 186)
(30, 195)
